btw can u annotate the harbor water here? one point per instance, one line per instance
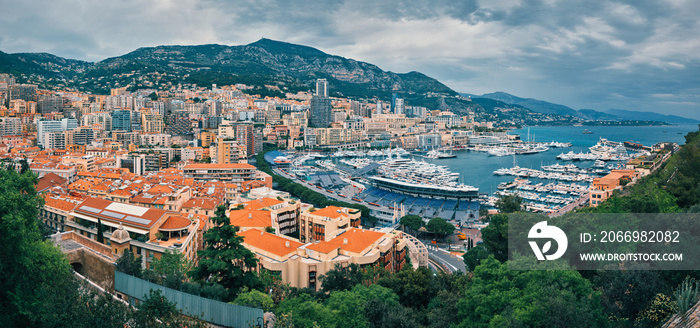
(476, 168)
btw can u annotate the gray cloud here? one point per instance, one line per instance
(599, 54)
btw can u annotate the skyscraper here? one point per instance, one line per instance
(322, 88)
(246, 138)
(121, 120)
(399, 107)
(320, 112)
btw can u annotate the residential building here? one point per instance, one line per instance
(602, 188)
(121, 120)
(143, 225)
(320, 112)
(229, 151)
(10, 126)
(246, 138)
(323, 224)
(300, 265)
(46, 126)
(322, 88)
(224, 172)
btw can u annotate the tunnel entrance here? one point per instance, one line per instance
(78, 267)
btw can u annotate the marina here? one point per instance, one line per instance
(410, 182)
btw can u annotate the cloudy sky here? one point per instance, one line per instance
(637, 54)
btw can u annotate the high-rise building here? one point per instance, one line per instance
(320, 112)
(9, 79)
(228, 151)
(49, 104)
(322, 88)
(121, 120)
(26, 92)
(399, 107)
(246, 138)
(152, 122)
(10, 126)
(380, 107)
(44, 127)
(355, 107)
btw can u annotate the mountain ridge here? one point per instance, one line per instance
(546, 107)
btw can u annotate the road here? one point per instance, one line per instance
(453, 263)
(582, 201)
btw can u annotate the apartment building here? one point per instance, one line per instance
(322, 224)
(235, 172)
(301, 264)
(151, 231)
(602, 188)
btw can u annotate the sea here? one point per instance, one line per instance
(476, 168)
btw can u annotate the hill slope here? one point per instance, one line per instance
(265, 62)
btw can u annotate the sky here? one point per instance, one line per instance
(636, 55)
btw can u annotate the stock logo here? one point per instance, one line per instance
(541, 231)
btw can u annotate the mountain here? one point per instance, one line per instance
(288, 66)
(649, 116)
(594, 115)
(539, 106)
(274, 68)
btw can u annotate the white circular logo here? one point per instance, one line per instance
(542, 230)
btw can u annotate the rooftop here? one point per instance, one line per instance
(268, 242)
(251, 218)
(133, 215)
(218, 166)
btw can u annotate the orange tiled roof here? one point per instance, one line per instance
(160, 189)
(201, 202)
(323, 247)
(175, 223)
(262, 203)
(49, 180)
(268, 242)
(60, 204)
(251, 218)
(333, 212)
(358, 239)
(96, 207)
(120, 192)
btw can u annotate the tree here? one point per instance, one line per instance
(224, 260)
(100, 231)
(32, 269)
(414, 287)
(153, 96)
(341, 278)
(440, 227)
(413, 222)
(495, 237)
(442, 309)
(474, 256)
(305, 312)
(156, 306)
(129, 264)
(170, 269)
(509, 204)
(499, 297)
(256, 299)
